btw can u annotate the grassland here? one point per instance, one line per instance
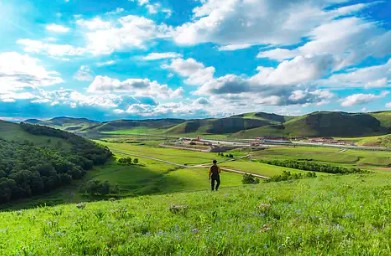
(349, 157)
(11, 131)
(331, 215)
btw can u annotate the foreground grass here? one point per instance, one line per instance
(330, 215)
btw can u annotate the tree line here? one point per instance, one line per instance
(27, 169)
(312, 166)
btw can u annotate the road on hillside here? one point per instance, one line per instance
(188, 166)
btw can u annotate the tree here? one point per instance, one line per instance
(135, 161)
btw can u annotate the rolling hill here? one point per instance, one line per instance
(249, 125)
(37, 159)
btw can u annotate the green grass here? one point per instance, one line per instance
(337, 156)
(260, 168)
(168, 154)
(330, 215)
(137, 131)
(11, 131)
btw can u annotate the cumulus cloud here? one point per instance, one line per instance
(153, 8)
(57, 28)
(19, 71)
(194, 72)
(301, 69)
(283, 85)
(134, 86)
(253, 22)
(388, 105)
(127, 32)
(367, 77)
(84, 74)
(349, 40)
(161, 55)
(360, 98)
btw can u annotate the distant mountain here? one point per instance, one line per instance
(248, 125)
(217, 126)
(334, 124)
(129, 124)
(66, 123)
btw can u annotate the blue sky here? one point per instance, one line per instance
(140, 59)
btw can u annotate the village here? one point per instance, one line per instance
(259, 143)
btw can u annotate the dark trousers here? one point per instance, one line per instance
(214, 180)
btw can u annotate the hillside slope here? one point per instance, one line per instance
(36, 159)
(334, 124)
(66, 123)
(326, 215)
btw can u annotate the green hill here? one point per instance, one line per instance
(333, 215)
(129, 124)
(66, 123)
(384, 117)
(36, 159)
(334, 124)
(217, 126)
(247, 125)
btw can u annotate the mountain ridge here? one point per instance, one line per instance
(319, 123)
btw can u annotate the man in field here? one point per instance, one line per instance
(214, 176)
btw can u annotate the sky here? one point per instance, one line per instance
(142, 59)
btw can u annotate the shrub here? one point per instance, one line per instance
(125, 161)
(96, 187)
(249, 179)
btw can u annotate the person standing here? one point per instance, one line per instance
(214, 176)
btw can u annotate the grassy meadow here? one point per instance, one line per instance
(337, 156)
(164, 207)
(329, 215)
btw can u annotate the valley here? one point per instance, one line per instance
(162, 197)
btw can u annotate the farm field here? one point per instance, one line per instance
(348, 157)
(328, 215)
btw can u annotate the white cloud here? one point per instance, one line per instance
(19, 71)
(254, 22)
(360, 98)
(94, 24)
(301, 69)
(367, 77)
(161, 55)
(134, 87)
(106, 63)
(349, 40)
(84, 74)
(128, 32)
(388, 105)
(55, 50)
(153, 8)
(196, 73)
(278, 54)
(57, 28)
(284, 85)
(74, 98)
(234, 47)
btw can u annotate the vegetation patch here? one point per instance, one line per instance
(27, 169)
(289, 176)
(314, 167)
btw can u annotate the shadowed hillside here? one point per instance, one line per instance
(248, 125)
(334, 124)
